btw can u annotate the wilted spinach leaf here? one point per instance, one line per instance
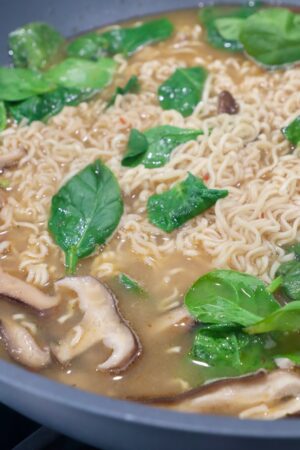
(284, 319)
(223, 24)
(89, 46)
(3, 116)
(183, 90)
(41, 107)
(271, 37)
(153, 147)
(19, 84)
(290, 279)
(34, 45)
(184, 201)
(231, 352)
(223, 296)
(292, 132)
(294, 248)
(85, 212)
(82, 74)
(121, 40)
(132, 85)
(131, 285)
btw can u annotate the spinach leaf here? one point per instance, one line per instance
(155, 148)
(136, 148)
(284, 319)
(294, 248)
(19, 84)
(89, 46)
(271, 37)
(42, 107)
(3, 116)
(231, 352)
(290, 275)
(131, 285)
(34, 45)
(132, 85)
(184, 201)
(183, 90)
(121, 40)
(292, 132)
(82, 74)
(85, 212)
(223, 296)
(223, 24)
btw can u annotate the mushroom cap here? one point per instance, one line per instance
(101, 322)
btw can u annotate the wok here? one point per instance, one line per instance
(94, 419)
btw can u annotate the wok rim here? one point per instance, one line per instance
(36, 385)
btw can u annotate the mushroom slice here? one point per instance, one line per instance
(19, 290)
(178, 318)
(260, 396)
(21, 345)
(10, 158)
(101, 322)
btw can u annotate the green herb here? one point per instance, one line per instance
(271, 37)
(223, 24)
(131, 285)
(34, 45)
(292, 132)
(3, 116)
(290, 279)
(82, 74)
(85, 212)
(231, 351)
(4, 183)
(284, 319)
(121, 40)
(294, 248)
(184, 201)
(132, 85)
(183, 90)
(89, 46)
(42, 107)
(153, 147)
(226, 296)
(19, 84)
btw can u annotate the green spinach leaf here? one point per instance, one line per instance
(271, 37)
(223, 296)
(223, 24)
(292, 132)
(132, 85)
(3, 116)
(89, 46)
(131, 285)
(290, 275)
(184, 201)
(153, 147)
(34, 45)
(82, 74)
(231, 352)
(183, 90)
(42, 107)
(85, 212)
(121, 40)
(294, 248)
(19, 84)
(284, 319)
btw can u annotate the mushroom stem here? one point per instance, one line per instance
(21, 345)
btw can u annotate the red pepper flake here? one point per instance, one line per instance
(122, 120)
(206, 177)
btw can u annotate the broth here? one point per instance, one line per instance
(250, 154)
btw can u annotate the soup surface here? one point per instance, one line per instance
(244, 153)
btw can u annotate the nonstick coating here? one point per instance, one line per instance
(94, 419)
